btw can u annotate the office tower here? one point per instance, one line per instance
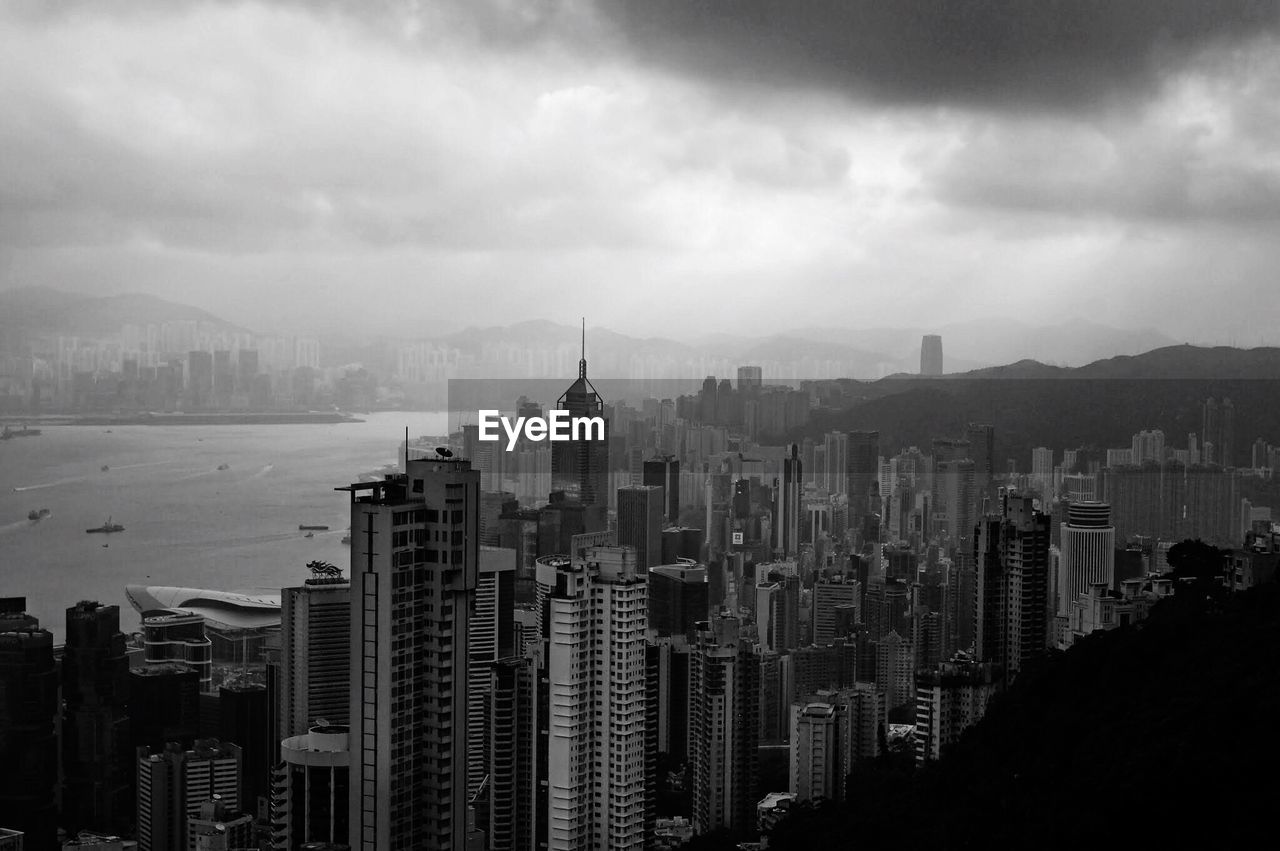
(1011, 554)
(1147, 447)
(311, 789)
(172, 785)
(678, 598)
(1218, 432)
(244, 719)
(179, 637)
(828, 597)
(982, 451)
(97, 762)
(493, 506)
(1042, 470)
(955, 485)
(862, 469)
(489, 638)
(315, 654)
(414, 570)
(681, 543)
(836, 456)
(750, 380)
(671, 689)
(724, 688)
(664, 472)
(1088, 553)
(815, 759)
(640, 523)
(219, 827)
(28, 743)
(863, 705)
(513, 819)
(594, 616)
(580, 468)
(164, 705)
(786, 505)
(246, 370)
(949, 699)
(931, 355)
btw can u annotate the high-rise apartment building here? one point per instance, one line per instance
(414, 571)
(931, 355)
(315, 654)
(175, 782)
(1088, 553)
(815, 753)
(97, 759)
(1011, 554)
(595, 623)
(724, 697)
(491, 636)
(949, 699)
(828, 597)
(641, 521)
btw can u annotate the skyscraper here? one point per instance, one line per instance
(724, 697)
(28, 746)
(580, 468)
(594, 616)
(828, 596)
(97, 759)
(949, 699)
(786, 505)
(863, 469)
(678, 598)
(311, 789)
(1011, 553)
(315, 654)
(490, 632)
(414, 570)
(815, 757)
(931, 355)
(1088, 553)
(665, 472)
(175, 782)
(640, 522)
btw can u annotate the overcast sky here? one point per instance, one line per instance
(665, 167)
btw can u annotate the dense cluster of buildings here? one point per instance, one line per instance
(629, 658)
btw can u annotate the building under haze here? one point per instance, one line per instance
(931, 355)
(580, 467)
(414, 570)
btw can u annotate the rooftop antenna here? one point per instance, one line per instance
(582, 364)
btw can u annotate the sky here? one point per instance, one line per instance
(668, 167)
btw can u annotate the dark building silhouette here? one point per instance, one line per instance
(678, 598)
(664, 472)
(164, 705)
(862, 473)
(1011, 553)
(28, 742)
(640, 522)
(245, 720)
(580, 468)
(97, 752)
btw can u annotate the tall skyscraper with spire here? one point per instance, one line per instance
(580, 468)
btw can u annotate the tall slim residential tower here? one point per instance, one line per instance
(580, 468)
(491, 636)
(594, 616)
(414, 570)
(97, 759)
(1011, 553)
(315, 654)
(665, 472)
(173, 783)
(1088, 553)
(724, 727)
(787, 489)
(640, 522)
(931, 355)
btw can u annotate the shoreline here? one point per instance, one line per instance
(196, 419)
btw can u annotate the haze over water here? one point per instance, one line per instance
(186, 522)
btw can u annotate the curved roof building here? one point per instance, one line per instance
(222, 610)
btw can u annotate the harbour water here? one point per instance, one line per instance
(186, 522)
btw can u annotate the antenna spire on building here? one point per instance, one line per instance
(582, 363)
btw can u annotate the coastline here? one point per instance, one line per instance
(199, 419)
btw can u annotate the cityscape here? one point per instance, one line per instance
(639, 425)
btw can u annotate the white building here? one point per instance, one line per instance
(1088, 552)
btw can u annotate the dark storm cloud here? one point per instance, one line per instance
(1056, 54)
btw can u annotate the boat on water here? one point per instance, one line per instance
(346, 539)
(39, 514)
(224, 466)
(105, 468)
(309, 535)
(10, 433)
(303, 527)
(106, 528)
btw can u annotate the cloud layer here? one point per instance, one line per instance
(664, 167)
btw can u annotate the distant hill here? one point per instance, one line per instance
(1101, 404)
(35, 311)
